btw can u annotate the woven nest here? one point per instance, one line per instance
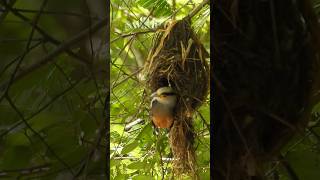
(177, 59)
(263, 76)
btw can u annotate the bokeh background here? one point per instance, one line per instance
(53, 87)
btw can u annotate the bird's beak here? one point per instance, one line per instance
(154, 94)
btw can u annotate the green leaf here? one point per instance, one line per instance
(205, 175)
(44, 120)
(305, 163)
(137, 165)
(114, 162)
(16, 139)
(316, 109)
(130, 147)
(145, 133)
(161, 143)
(120, 177)
(63, 141)
(142, 177)
(159, 7)
(16, 157)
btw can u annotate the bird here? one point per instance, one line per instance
(162, 107)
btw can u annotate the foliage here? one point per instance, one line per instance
(138, 153)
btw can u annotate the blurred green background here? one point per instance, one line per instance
(53, 86)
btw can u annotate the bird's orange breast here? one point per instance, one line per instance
(162, 121)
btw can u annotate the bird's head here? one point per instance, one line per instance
(164, 95)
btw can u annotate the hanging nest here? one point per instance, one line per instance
(263, 80)
(177, 59)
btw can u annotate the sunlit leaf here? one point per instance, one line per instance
(130, 147)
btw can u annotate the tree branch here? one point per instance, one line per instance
(15, 108)
(196, 10)
(292, 174)
(27, 171)
(15, 125)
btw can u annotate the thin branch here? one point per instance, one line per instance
(7, 66)
(41, 109)
(204, 121)
(128, 77)
(13, 75)
(132, 34)
(160, 153)
(134, 116)
(174, 9)
(5, 12)
(94, 148)
(314, 133)
(15, 108)
(106, 114)
(27, 171)
(9, 40)
(196, 10)
(292, 174)
(76, 90)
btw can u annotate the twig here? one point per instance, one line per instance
(138, 158)
(102, 130)
(173, 9)
(5, 12)
(9, 40)
(77, 92)
(132, 34)
(159, 148)
(50, 173)
(128, 77)
(134, 116)
(292, 174)
(7, 66)
(41, 109)
(107, 135)
(27, 50)
(27, 171)
(204, 121)
(196, 10)
(14, 107)
(314, 133)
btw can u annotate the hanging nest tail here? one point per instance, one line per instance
(177, 59)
